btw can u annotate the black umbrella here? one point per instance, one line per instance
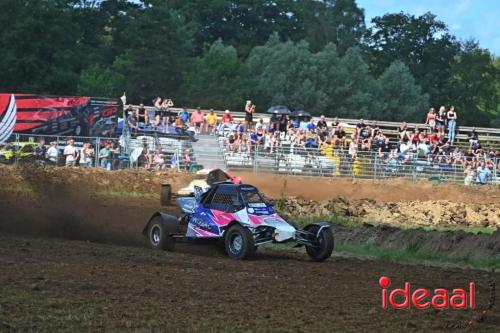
(279, 109)
(300, 114)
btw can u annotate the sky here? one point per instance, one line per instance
(478, 19)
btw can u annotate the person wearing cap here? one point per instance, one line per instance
(211, 122)
(227, 121)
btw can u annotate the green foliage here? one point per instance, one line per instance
(400, 97)
(421, 42)
(100, 81)
(474, 85)
(219, 79)
(312, 55)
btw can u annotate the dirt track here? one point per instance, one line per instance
(49, 284)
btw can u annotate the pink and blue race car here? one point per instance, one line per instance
(240, 217)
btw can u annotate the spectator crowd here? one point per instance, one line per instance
(434, 141)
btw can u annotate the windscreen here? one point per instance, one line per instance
(252, 197)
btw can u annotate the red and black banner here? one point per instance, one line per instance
(61, 115)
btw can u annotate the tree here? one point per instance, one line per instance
(400, 97)
(284, 74)
(155, 53)
(354, 96)
(98, 80)
(38, 51)
(422, 43)
(219, 79)
(474, 85)
(244, 24)
(340, 22)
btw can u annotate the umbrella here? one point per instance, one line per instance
(278, 109)
(301, 114)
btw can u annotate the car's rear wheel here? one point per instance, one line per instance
(324, 243)
(159, 235)
(239, 242)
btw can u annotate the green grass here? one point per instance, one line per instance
(413, 255)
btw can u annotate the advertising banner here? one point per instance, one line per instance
(57, 115)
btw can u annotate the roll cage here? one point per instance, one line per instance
(230, 197)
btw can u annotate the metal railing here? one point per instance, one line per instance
(329, 162)
(151, 152)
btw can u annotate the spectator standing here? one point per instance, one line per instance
(249, 110)
(165, 113)
(86, 155)
(483, 174)
(157, 104)
(142, 114)
(52, 154)
(133, 122)
(452, 124)
(105, 157)
(431, 119)
(469, 174)
(40, 152)
(70, 154)
(441, 120)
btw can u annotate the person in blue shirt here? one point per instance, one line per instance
(483, 174)
(184, 116)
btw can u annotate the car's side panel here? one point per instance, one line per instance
(202, 224)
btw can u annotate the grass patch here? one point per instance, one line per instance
(413, 255)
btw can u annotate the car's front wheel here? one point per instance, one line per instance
(323, 246)
(239, 242)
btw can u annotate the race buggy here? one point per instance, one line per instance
(238, 216)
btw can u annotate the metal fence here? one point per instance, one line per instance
(151, 152)
(363, 164)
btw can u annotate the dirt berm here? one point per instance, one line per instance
(455, 244)
(113, 207)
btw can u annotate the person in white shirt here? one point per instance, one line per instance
(52, 154)
(86, 155)
(70, 153)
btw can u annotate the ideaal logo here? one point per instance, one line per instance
(405, 298)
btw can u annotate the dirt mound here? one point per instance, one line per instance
(458, 244)
(392, 190)
(419, 213)
(30, 178)
(83, 204)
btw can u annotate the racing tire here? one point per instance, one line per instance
(325, 244)
(159, 236)
(239, 243)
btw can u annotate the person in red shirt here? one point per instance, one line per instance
(227, 121)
